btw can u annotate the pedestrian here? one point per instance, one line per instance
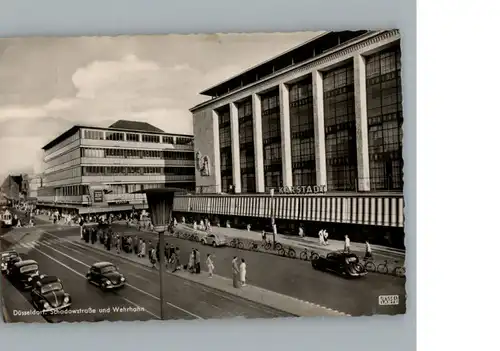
(325, 236)
(347, 244)
(176, 260)
(190, 265)
(321, 237)
(368, 250)
(264, 237)
(301, 232)
(197, 261)
(236, 272)
(243, 272)
(210, 266)
(81, 228)
(152, 257)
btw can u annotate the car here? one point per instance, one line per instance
(214, 240)
(6, 257)
(23, 272)
(343, 263)
(48, 295)
(106, 276)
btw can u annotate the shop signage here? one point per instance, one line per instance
(316, 189)
(118, 202)
(98, 196)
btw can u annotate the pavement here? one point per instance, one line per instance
(266, 273)
(139, 300)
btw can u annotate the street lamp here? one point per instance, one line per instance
(161, 203)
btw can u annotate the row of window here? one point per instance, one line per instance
(145, 154)
(79, 190)
(135, 171)
(136, 137)
(385, 118)
(65, 142)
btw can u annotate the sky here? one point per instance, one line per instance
(48, 85)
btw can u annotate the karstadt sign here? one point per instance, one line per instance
(316, 189)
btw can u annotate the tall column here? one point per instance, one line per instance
(235, 147)
(361, 123)
(319, 128)
(257, 143)
(286, 144)
(217, 175)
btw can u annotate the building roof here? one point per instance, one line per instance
(123, 126)
(135, 126)
(303, 52)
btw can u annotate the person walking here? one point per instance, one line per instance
(243, 272)
(321, 237)
(152, 257)
(236, 272)
(210, 266)
(197, 261)
(176, 260)
(347, 243)
(368, 250)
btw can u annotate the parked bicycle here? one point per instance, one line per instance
(398, 270)
(237, 243)
(368, 264)
(254, 246)
(308, 255)
(287, 252)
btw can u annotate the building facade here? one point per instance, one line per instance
(91, 169)
(34, 183)
(312, 136)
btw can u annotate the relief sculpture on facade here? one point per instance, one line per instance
(203, 164)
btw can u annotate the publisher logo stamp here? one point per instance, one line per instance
(388, 300)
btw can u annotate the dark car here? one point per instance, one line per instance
(48, 295)
(7, 257)
(342, 263)
(23, 272)
(105, 275)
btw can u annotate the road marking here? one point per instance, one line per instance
(81, 275)
(132, 286)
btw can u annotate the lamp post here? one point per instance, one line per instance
(273, 218)
(161, 203)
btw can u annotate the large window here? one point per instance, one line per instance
(302, 133)
(226, 161)
(133, 137)
(247, 155)
(340, 128)
(93, 134)
(148, 138)
(385, 119)
(271, 139)
(117, 136)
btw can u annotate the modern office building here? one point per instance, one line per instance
(34, 183)
(312, 137)
(96, 170)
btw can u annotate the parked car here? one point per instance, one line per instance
(214, 240)
(22, 273)
(48, 295)
(340, 262)
(7, 256)
(106, 276)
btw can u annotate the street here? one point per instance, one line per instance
(190, 300)
(139, 300)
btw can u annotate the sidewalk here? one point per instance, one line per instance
(269, 298)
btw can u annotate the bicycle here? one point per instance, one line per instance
(368, 264)
(308, 255)
(384, 269)
(290, 253)
(254, 246)
(237, 243)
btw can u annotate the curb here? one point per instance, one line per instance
(329, 311)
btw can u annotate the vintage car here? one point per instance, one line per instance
(213, 239)
(343, 263)
(7, 257)
(48, 295)
(23, 272)
(106, 276)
